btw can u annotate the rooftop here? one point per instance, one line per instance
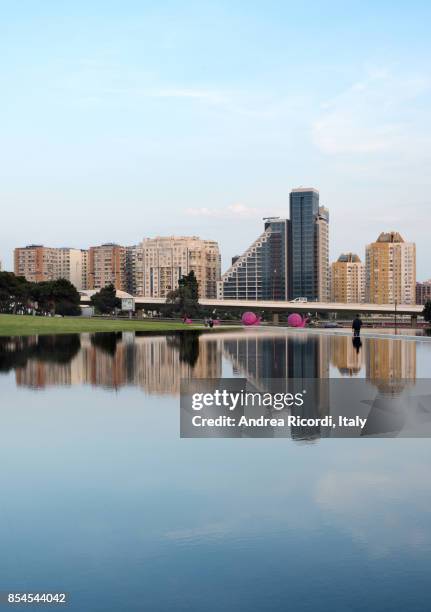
(390, 237)
(304, 189)
(349, 258)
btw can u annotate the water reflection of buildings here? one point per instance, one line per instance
(345, 356)
(390, 360)
(382, 358)
(155, 363)
(260, 356)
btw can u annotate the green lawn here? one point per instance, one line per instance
(16, 325)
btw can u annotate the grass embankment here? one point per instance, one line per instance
(17, 325)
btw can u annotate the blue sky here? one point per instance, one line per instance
(129, 119)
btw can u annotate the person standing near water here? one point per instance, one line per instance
(356, 326)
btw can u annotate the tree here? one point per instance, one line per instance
(185, 299)
(58, 296)
(14, 292)
(17, 294)
(105, 301)
(427, 312)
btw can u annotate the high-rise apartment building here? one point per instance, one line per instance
(134, 270)
(309, 246)
(39, 263)
(391, 270)
(106, 266)
(261, 272)
(423, 292)
(348, 279)
(164, 260)
(322, 251)
(84, 269)
(70, 266)
(36, 263)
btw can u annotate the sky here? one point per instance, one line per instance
(121, 120)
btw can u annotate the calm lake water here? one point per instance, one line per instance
(101, 498)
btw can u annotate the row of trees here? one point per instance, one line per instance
(17, 295)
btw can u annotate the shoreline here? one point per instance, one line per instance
(28, 325)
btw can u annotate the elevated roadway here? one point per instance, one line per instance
(280, 306)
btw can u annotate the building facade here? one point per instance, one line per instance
(164, 260)
(84, 269)
(423, 292)
(322, 251)
(70, 266)
(38, 263)
(261, 272)
(309, 246)
(134, 270)
(348, 279)
(391, 270)
(106, 266)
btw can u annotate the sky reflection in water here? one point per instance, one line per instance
(101, 498)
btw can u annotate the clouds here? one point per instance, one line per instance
(374, 115)
(172, 114)
(233, 210)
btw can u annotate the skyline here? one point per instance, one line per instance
(229, 258)
(194, 119)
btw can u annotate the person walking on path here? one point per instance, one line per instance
(356, 326)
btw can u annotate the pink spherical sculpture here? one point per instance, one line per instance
(249, 318)
(295, 320)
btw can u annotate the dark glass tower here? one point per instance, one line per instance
(309, 266)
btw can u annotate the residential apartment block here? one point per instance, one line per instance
(151, 268)
(106, 266)
(38, 263)
(164, 260)
(322, 255)
(391, 270)
(348, 279)
(423, 292)
(84, 269)
(134, 270)
(70, 266)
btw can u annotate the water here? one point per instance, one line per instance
(102, 499)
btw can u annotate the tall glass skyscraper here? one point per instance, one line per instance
(309, 252)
